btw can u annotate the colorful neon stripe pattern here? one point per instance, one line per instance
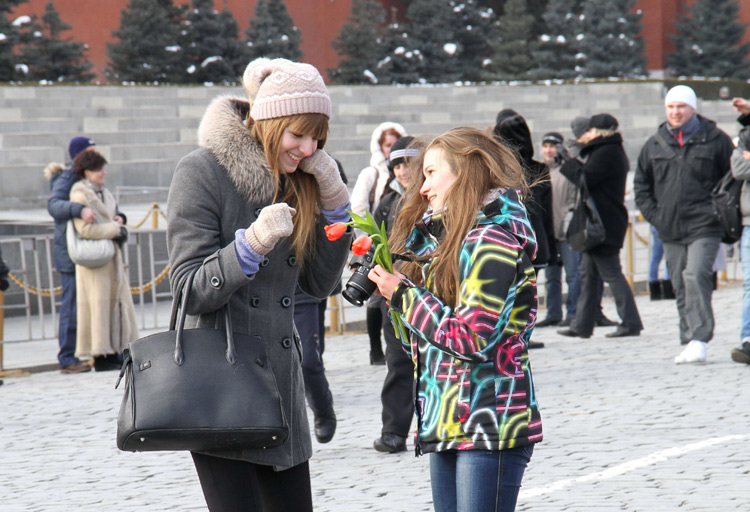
(475, 387)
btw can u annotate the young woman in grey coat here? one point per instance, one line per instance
(246, 213)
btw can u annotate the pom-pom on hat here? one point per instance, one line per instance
(78, 144)
(681, 94)
(401, 152)
(552, 138)
(280, 88)
(603, 122)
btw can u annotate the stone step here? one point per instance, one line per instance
(61, 140)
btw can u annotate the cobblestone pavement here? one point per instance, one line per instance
(625, 430)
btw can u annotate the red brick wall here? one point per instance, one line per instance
(320, 21)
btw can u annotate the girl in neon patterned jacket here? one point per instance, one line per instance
(468, 300)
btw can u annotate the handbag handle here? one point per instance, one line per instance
(179, 353)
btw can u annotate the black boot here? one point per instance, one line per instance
(325, 426)
(106, 363)
(654, 288)
(667, 292)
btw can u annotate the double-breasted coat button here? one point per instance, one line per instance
(286, 302)
(264, 262)
(292, 260)
(215, 281)
(286, 342)
(255, 302)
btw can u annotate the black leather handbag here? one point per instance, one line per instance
(198, 390)
(586, 229)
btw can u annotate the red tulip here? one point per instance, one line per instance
(335, 231)
(361, 245)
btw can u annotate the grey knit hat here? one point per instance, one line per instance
(579, 126)
(280, 88)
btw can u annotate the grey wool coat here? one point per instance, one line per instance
(216, 190)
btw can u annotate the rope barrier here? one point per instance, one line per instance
(154, 208)
(47, 292)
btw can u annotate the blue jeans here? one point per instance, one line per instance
(67, 327)
(553, 285)
(657, 253)
(478, 480)
(745, 256)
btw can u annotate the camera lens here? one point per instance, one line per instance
(359, 288)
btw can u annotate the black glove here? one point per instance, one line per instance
(122, 237)
(4, 284)
(563, 155)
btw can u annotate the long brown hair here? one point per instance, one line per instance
(298, 189)
(481, 164)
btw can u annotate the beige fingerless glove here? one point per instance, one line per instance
(273, 223)
(333, 192)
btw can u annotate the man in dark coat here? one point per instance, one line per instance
(62, 210)
(677, 169)
(603, 167)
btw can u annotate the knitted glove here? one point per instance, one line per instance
(273, 223)
(333, 192)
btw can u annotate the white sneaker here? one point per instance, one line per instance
(695, 352)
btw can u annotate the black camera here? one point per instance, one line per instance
(359, 288)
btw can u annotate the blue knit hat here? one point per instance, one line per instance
(78, 144)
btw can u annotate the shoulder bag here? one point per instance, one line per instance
(586, 229)
(87, 252)
(198, 390)
(726, 201)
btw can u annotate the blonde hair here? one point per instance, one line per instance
(601, 132)
(298, 189)
(481, 164)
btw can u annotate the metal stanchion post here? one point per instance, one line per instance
(155, 215)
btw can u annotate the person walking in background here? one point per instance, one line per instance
(368, 189)
(511, 129)
(397, 394)
(309, 318)
(563, 201)
(245, 217)
(603, 167)
(740, 164)
(658, 289)
(677, 168)
(62, 210)
(469, 303)
(106, 315)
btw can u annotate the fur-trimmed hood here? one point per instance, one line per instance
(53, 169)
(222, 131)
(378, 159)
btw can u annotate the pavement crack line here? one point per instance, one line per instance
(626, 467)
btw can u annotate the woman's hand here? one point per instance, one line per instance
(333, 192)
(386, 281)
(273, 223)
(119, 220)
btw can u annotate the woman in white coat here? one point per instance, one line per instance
(366, 195)
(105, 312)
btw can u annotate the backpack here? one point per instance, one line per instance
(726, 200)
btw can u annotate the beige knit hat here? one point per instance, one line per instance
(280, 88)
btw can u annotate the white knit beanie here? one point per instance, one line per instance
(280, 88)
(681, 94)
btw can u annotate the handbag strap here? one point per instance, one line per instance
(179, 352)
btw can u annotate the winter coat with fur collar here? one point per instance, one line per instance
(220, 188)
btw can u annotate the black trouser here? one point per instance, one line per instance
(594, 269)
(238, 486)
(398, 388)
(317, 390)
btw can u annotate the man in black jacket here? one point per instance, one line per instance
(677, 169)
